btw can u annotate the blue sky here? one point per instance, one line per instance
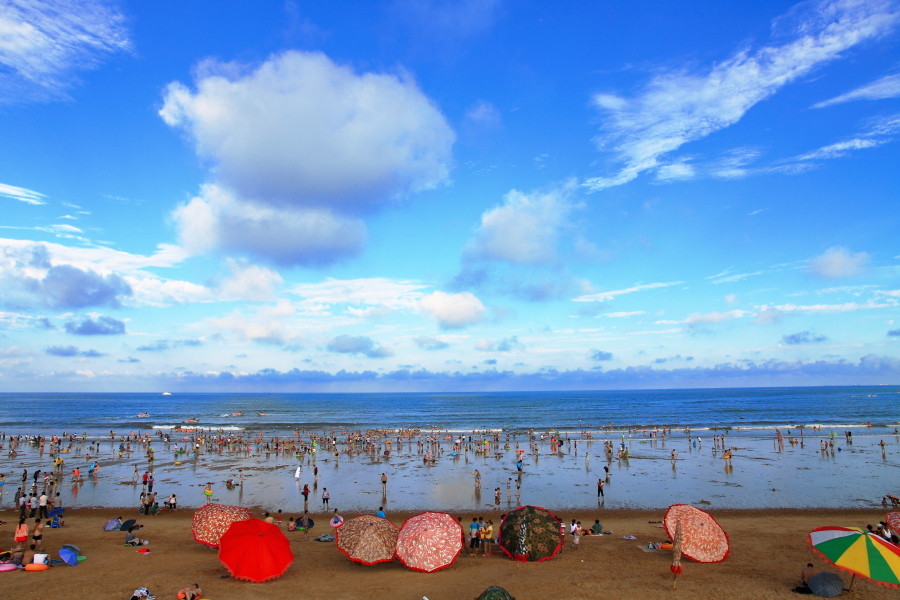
(429, 195)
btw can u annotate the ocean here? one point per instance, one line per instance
(855, 472)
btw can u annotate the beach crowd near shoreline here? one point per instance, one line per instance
(45, 463)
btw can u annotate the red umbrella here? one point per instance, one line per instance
(254, 550)
(429, 542)
(702, 538)
(368, 539)
(212, 520)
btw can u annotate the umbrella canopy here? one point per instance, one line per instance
(429, 542)
(531, 533)
(211, 521)
(702, 538)
(56, 511)
(68, 556)
(859, 552)
(495, 592)
(126, 525)
(893, 521)
(368, 539)
(826, 585)
(112, 525)
(254, 550)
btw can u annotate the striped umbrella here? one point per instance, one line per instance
(702, 538)
(859, 552)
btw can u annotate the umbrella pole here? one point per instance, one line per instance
(852, 579)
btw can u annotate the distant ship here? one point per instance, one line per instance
(167, 393)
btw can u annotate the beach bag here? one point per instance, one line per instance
(325, 537)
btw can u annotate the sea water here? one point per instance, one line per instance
(762, 473)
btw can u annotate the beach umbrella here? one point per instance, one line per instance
(530, 534)
(859, 552)
(495, 592)
(73, 548)
(429, 541)
(254, 550)
(676, 567)
(112, 525)
(826, 585)
(126, 525)
(211, 521)
(68, 556)
(368, 539)
(893, 521)
(56, 511)
(702, 538)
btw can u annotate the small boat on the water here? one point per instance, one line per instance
(191, 421)
(237, 413)
(143, 415)
(167, 393)
(260, 414)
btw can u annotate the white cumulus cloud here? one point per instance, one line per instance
(302, 134)
(453, 311)
(525, 229)
(837, 262)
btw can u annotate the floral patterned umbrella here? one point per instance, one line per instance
(368, 539)
(429, 542)
(702, 538)
(531, 533)
(212, 520)
(893, 521)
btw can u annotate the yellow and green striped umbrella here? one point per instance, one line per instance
(859, 552)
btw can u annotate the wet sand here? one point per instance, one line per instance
(762, 474)
(768, 549)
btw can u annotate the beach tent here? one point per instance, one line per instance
(859, 552)
(531, 534)
(429, 541)
(211, 521)
(702, 538)
(254, 550)
(368, 539)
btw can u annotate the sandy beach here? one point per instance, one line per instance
(768, 549)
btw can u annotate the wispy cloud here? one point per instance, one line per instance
(886, 87)
(44, 43)
(676, 108)
(607, 296)
(19, 193)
